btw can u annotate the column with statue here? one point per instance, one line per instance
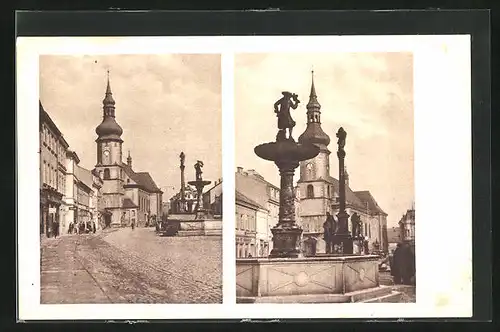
(343, 235)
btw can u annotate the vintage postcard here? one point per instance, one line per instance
(339, 156)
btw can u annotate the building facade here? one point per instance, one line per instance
(129, 196)
(264, 197)
(246, 226)
(212, 199)
(82, 196)
(319, 191)
(407, 227)
(188, 205)
(52, 152)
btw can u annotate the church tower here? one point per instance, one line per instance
(315, 183)
(109, 157)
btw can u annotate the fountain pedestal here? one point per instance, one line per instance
(286, 154)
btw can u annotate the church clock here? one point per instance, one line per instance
(106, 157)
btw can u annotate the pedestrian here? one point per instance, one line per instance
(93, 227)
(70, 227)
(133, 225)
(55, 229)
(408, 262)
(403, 268)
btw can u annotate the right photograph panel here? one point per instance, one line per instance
(325, 178)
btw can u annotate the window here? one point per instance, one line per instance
(106, 174)
(310, 191)
(328, 189)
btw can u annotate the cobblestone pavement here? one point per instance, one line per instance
(408, 292)
(131, 266)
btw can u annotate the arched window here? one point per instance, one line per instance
(107, 175)
(310, 191)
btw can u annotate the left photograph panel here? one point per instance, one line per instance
(130, 178)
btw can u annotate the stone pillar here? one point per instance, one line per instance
(183, 186)
(286, 154)
(343, 235)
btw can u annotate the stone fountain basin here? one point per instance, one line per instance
(286, 150)
(199, 183)
(326, 275)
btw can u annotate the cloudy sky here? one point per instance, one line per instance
(164, 103)
(369, 94)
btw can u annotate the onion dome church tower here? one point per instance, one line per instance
(315, 183)
(109, 157)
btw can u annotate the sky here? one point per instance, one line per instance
(369, 94)
(165, 104)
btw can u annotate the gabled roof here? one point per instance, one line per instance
(128, 203)
(84, 175)
(351, 197)
(143, 179)
(242, 198)
(368, 201)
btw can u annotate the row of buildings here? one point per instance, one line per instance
(110, 194)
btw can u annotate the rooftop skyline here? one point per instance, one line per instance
(159, 99)
(369, 94)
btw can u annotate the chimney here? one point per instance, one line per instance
(240, 169)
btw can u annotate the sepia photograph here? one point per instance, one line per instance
(130, 178)
(325, 191)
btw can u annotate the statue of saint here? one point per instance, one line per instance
(197, 167)
(182, 156)
(356, 225)
(285, 121)
(341, 134)
(330, 228)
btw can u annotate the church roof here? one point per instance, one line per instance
(84, 175)
(143, 179)
(366, 197)
(351, 197)
(109, 129)
(314, 133)
(242, 198)
(128, 203)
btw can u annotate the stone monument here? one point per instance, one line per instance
(199, 222)
(286, 276)
(199, 184)
(343, 237)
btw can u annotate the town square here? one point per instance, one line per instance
(316, 240)
(111, 232)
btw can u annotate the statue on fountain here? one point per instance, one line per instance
(330, 228)
(197, 167)
(356, 225)
(285, 121)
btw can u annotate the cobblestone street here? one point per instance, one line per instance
(131, 266)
